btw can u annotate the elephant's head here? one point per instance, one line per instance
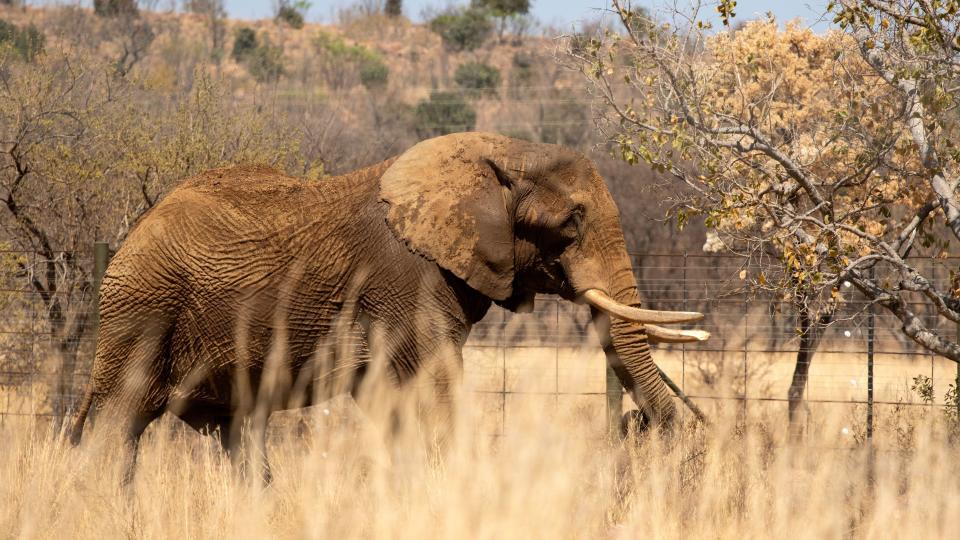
(512, 219)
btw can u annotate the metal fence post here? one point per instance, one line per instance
(870, 338)
(683, 346)
(614, 402)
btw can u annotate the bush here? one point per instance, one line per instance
(115, 8)
(344, 65)
(443, 113)
(478, 79)
(263, 60)
(290, 16)
(464, 29)
(265, 63)
(503, 8)
(27, 42)
(244, 43)
(374, 73)
(522, 74)
(291, 12)
(393, 8)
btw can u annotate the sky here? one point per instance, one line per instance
(562, 14)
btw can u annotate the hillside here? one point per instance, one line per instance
(358, 92)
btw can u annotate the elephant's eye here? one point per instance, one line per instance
(572, 227)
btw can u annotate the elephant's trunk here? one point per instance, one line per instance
(625, 342)
(628, 350)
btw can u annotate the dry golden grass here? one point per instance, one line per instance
(549, 476)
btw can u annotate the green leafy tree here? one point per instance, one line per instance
(478, 79)
(292, 12)
(244, 43)
(443, 113)
(504, 11)
(463, 29)
(393, 8)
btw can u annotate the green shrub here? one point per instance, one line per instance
(290, 12)
(503, 8)
(27, 42)
(462, 29)
(522, 74)
(344, 65)
(115, 8)
(7, 31)
(244, 43)
(443, 113)
(393, 8)
(478, 79)
(522, 64)
(290, 16)
(265, 63)
(374, 73)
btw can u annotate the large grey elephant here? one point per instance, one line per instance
(239, 266)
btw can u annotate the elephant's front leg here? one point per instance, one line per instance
(410, 382)
(436, 397)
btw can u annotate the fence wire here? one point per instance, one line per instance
(553, 354)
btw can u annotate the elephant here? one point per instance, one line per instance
(404, 256)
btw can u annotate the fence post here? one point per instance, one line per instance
(614, 402)
(870, 336)
(101, 256)
(683, 346)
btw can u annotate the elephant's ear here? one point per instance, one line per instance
(449, 204)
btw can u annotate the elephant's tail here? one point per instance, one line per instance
(76, 431)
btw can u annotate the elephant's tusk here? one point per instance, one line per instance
(601, 301)
(659, 334)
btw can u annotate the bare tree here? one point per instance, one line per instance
(215, 16)
(84, 152)
(133, 36)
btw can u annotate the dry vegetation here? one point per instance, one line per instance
(548, 477)
(144, 116)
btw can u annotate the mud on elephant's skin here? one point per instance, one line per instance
(235, 260)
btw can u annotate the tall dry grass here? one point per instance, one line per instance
(548, 476)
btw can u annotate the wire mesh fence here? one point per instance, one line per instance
(551, 355)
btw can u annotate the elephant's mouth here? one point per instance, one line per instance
(545, 278)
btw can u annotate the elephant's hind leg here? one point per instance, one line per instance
(239, 439)
(129, 383)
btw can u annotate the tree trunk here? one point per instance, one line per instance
(811, 332)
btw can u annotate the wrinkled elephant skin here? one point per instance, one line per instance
(242, 283)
